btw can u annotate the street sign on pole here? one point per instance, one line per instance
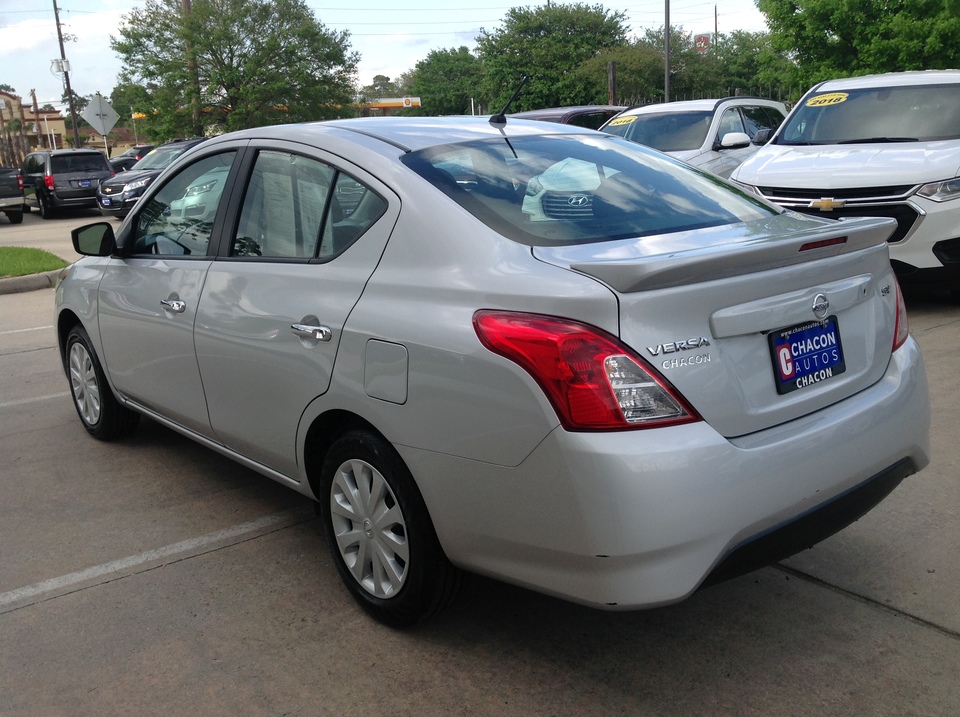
(101, 116)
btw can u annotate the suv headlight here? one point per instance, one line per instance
(139, 184)
(941, 191)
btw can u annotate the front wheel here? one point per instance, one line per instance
(101, 414)
(380, 534)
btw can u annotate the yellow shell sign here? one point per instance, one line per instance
(622, 120)
(833, 98)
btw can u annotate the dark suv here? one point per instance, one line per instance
(116, 197)
(56, 179)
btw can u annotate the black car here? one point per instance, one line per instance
(116, 196)
(590, 116)
(55, 179)
(138, 152)
(123, 163)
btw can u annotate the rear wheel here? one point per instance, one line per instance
(46, 208)
(380, 534)
(100, 412)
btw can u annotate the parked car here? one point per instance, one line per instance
(615, 408)
(590, 116)
(122, 164)
(11, 194)
(138, 152)
(715, 135)
(879, 145)
(116, 196)
(55, 179)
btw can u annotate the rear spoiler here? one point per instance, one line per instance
(722, 261)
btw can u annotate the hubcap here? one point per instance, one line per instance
(370, 529)
(83, 384)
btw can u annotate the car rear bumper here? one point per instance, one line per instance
(639, 519)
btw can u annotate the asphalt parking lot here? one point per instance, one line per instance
(152, 576)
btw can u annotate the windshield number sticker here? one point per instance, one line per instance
(617, 121)
(806, 354)
(833, 98)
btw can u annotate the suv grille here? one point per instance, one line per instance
(857, 202)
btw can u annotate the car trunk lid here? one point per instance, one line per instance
(711, 310)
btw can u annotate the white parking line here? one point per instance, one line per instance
(22, 401)
(23, 331)
(117, 566)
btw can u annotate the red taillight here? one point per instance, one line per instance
(902, 328)
(48, 182)
(594, 382)
(20, 180)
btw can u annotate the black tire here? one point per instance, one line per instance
(15, 217)
(46, 208)
(380, 534)
(99, 411)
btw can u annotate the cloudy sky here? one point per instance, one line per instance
(390, 35)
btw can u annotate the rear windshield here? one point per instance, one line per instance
(924, 113)
(576, 189)
(66, 164)
(666, 131)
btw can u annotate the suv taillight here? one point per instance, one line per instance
(20, 180)
(594, 382)
(48, 182)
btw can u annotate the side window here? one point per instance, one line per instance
(730, 122)
(758, 118)
(178, 220)
(283, 207)
(299, 208)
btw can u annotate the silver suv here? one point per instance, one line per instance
(716, 135)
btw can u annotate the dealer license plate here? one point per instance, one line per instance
(105, 201)
(84, 182)
(807, 354)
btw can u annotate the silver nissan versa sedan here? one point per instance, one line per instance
(530, 351)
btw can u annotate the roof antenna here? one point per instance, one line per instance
(501, 118)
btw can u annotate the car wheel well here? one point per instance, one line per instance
(322, 434)
(65, 321)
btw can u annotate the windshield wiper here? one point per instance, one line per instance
(879, 140)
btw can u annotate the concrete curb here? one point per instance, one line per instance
(32, 282)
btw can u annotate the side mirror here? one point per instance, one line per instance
(94, 239)
(763, 136)
(733, 140)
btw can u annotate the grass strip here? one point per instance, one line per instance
(21, 261)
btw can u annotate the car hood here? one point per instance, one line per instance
(130, 176)
(839, 166)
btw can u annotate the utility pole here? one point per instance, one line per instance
(66, 78)
(194, 75)
(666, 53)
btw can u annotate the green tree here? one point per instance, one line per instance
(232, 64)
(381, 86)
(446, 81)
(547, 44)
(834, 38)
(128, 98)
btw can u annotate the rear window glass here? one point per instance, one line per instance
(924, 113)
(65, 164)
(576, 189)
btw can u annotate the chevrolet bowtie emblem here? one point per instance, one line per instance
(827, 204)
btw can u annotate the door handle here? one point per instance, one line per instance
(174, 305)
(313, 333)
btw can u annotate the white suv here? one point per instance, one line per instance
(715, 135)
(880, 145)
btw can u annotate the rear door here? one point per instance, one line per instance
(149, 299)
(77, 176)
(272, 312)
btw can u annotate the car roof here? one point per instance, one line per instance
(71, 150)
(566, 111)
(708, 105)
(408, 134)
(892, 79)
